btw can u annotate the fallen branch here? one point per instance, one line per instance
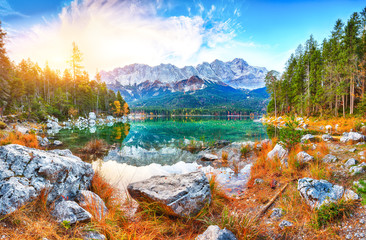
(265, 208)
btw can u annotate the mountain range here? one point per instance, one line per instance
(204, 86)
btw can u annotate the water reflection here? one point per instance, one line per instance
(160, 132)
(122, 174)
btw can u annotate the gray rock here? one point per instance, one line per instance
(93, 203)
(327, 137)
(25, 172)
(14, 193)
(319, 192)
(352, 150)
(350, 162)
(45, 142)
(330, 158)
(285, 224)
(258, 181)
(179, 194)
(307, 137)
(209, 157)
(57, 143)
(352, 136)
(92, 116)
(276, 213)
(279, 152)
(360, 143)
(214, 232)
(221, 143)
(93, 235)
(350, 195)
(304, 157)
(361, 168)
(71, 212)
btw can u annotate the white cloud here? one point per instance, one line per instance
(114, 33)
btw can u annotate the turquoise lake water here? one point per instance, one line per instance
(159, 132)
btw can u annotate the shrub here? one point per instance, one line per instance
(245, 149)
(95, 146)
(28, 140)
(2, 125)
(225, 156)
(332, 212)
(361, 190)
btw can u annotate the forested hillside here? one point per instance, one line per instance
(325, 78)
(31, 92)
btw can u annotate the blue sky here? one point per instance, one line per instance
(114, 33)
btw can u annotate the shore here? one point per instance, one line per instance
(272, 204)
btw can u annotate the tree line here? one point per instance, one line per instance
(324, 79)
(32, 92)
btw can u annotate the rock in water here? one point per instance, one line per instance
(71, 212)
(320, 192)
(214, 232)
(25, 172)
(92, 116)
(178, 194)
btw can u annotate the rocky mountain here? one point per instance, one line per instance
(216, 85)
(236, 73)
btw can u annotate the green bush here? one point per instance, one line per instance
(245, 149)
(331, 212)
(2, 125)
(361, 190)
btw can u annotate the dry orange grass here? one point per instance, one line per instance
(95, 146)
(28, 140)
(33, 221)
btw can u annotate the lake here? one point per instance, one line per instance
(157, 146)
(157, 132)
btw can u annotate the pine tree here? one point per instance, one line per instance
(5, 68)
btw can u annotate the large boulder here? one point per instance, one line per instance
(279, 152)
(178, 194)
(214, 232)
(352, 136)
(71, 212)
(320, 192)
(25, 172)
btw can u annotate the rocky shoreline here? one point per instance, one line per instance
(324, 169)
